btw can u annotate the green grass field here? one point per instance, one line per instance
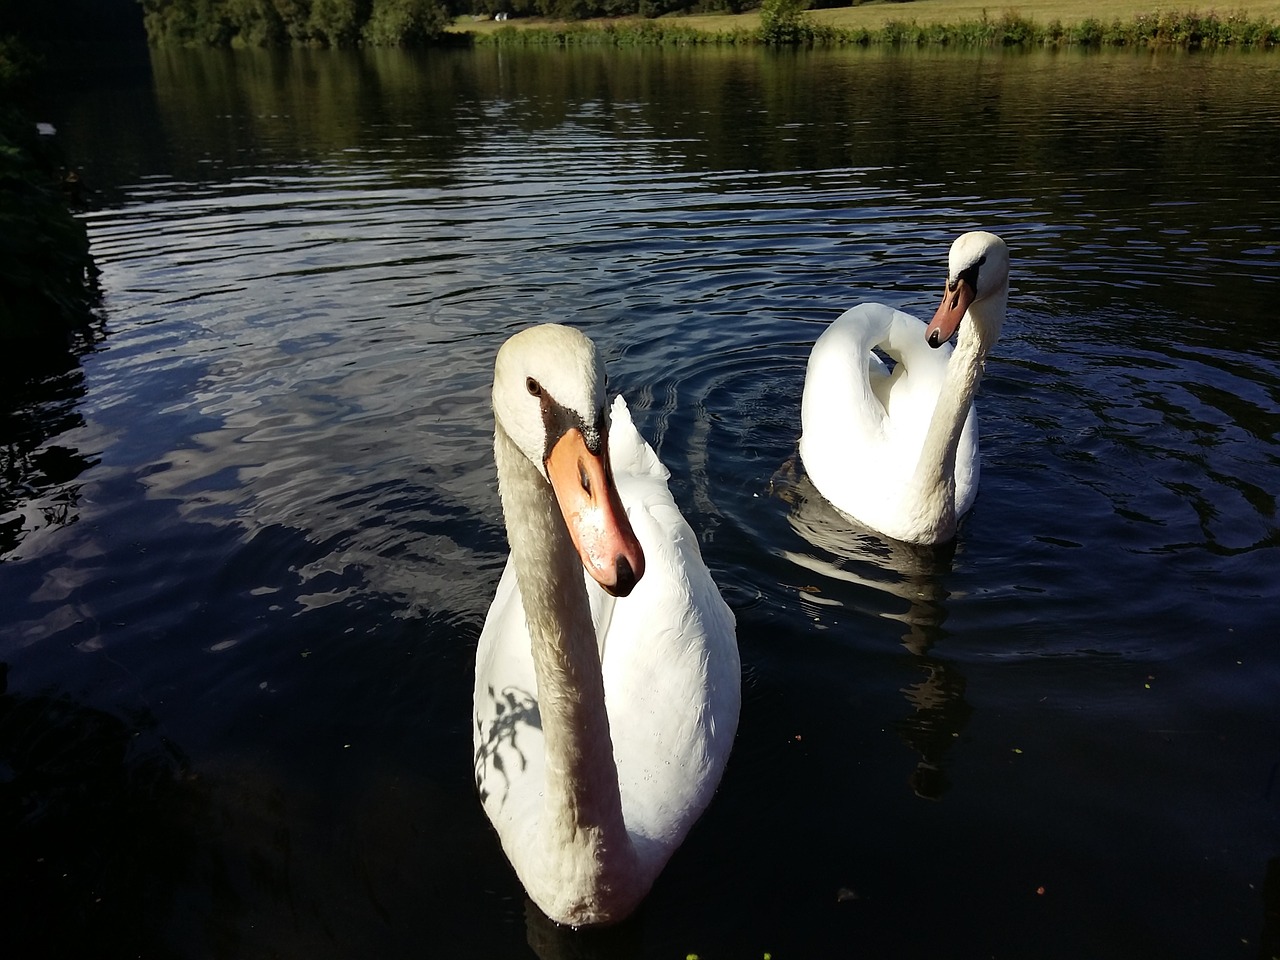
(874, 16)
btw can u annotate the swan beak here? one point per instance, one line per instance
(594, 513)
(955, 301)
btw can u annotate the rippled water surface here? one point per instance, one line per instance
(249, 534)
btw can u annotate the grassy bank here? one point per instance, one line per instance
(942, 22)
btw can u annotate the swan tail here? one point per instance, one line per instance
(629, 452)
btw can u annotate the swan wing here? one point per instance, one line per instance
(840, 403)
(670, 661)
(862, 419)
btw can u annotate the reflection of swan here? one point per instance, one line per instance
(848, 560)
(602, 720)
(849, 554)
(897, 449)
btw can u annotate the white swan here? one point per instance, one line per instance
(603, 717)
(897, 450)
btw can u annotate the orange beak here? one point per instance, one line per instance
(955, 301)
(594, 513)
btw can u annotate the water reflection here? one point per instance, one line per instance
(848, 555)
(40, 391)
(552, 941)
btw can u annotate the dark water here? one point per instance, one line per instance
(250, 533)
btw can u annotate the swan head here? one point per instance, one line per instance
(549, 398)
(977, 270)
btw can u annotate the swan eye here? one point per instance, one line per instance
(533, 386)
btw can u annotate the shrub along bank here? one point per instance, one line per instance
(347, 23)
(46, 272)
(788, 23)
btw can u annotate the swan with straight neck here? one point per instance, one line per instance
(607, 673)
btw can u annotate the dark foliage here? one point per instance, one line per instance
(263, 23)
(45, 268)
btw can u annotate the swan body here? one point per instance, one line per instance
(608, 682)
(896, 448)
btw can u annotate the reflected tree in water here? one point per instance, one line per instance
(40, 391)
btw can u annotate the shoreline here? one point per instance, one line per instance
(920, 22)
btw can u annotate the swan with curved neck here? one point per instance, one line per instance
(897, 449)
(607, 674)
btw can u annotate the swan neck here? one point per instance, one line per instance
(583, 808)
(935, 471)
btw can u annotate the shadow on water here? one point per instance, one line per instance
(93, 824)
(848, 558)
(552, 941)
(119, 843)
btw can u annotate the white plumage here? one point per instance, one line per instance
(660, 695)
(896, 449)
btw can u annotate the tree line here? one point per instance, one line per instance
(264, 23)
(342, 23)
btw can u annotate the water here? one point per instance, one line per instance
(250, 533)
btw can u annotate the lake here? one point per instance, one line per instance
(250, 529)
